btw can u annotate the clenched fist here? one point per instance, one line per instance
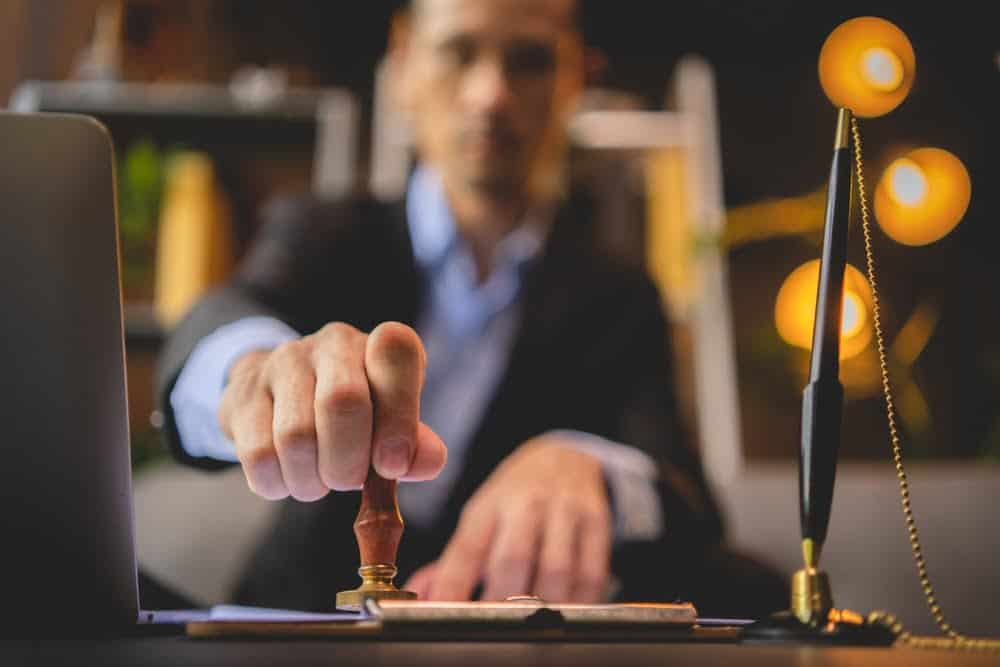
(313, 414)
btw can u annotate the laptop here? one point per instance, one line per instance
(68, 560)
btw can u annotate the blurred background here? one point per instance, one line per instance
(215, 106)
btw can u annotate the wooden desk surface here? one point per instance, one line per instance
(184, 651)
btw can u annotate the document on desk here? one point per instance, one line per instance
(226, 612)
(450, 621)
(238, 613)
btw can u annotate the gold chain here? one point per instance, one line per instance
(952, 638)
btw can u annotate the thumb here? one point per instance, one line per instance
(429, 458)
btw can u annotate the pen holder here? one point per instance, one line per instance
(811, 597)
(812, 618)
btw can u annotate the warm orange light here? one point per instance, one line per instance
(906, 183)
(867, 65)
(854, 316)
(881, 69)
(795, 309)
(922, 196)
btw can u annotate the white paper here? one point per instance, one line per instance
(226, 612)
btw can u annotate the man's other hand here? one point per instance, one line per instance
(540, 525)
(311, 415)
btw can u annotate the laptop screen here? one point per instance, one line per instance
(65, 485)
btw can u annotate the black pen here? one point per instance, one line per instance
(823, 397)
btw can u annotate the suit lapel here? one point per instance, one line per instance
(399, 282)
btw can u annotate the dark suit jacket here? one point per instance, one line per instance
(591, 355)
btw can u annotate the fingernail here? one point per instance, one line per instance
(394, 457)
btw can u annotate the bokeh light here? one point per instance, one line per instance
(922, 196)
(854, 316)
(907, 183)
(881, 69)
(867, 65)
(795, 309)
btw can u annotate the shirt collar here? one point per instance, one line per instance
(432, 227)
(434, 234)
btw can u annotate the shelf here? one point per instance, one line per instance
(174, 100)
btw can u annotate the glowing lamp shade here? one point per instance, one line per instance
(867, 65)
(795, 309)
(922, 196)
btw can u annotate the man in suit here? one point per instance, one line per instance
(478, 313)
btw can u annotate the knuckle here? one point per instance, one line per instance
(295, 439)
(257, 460)
(529, 504)
(240, 391)
(345, 398)
(512, 560)
(244, 375)
(284, 355)
(338, 333)
(593, 513)
(580, 510)
(570, 509)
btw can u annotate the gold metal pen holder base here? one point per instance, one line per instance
(811, 596)
(813, 619)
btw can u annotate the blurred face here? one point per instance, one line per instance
(487, 84)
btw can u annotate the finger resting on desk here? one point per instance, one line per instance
(421, 581)
(513, 557)
(559, 554)
(594, 559)
(460, 566)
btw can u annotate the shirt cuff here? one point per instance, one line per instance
(631, 475)
(197, 393)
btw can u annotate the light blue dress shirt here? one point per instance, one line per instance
(468, 329)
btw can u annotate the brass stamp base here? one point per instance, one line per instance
(376, 584)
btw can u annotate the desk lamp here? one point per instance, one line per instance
(866, 67)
